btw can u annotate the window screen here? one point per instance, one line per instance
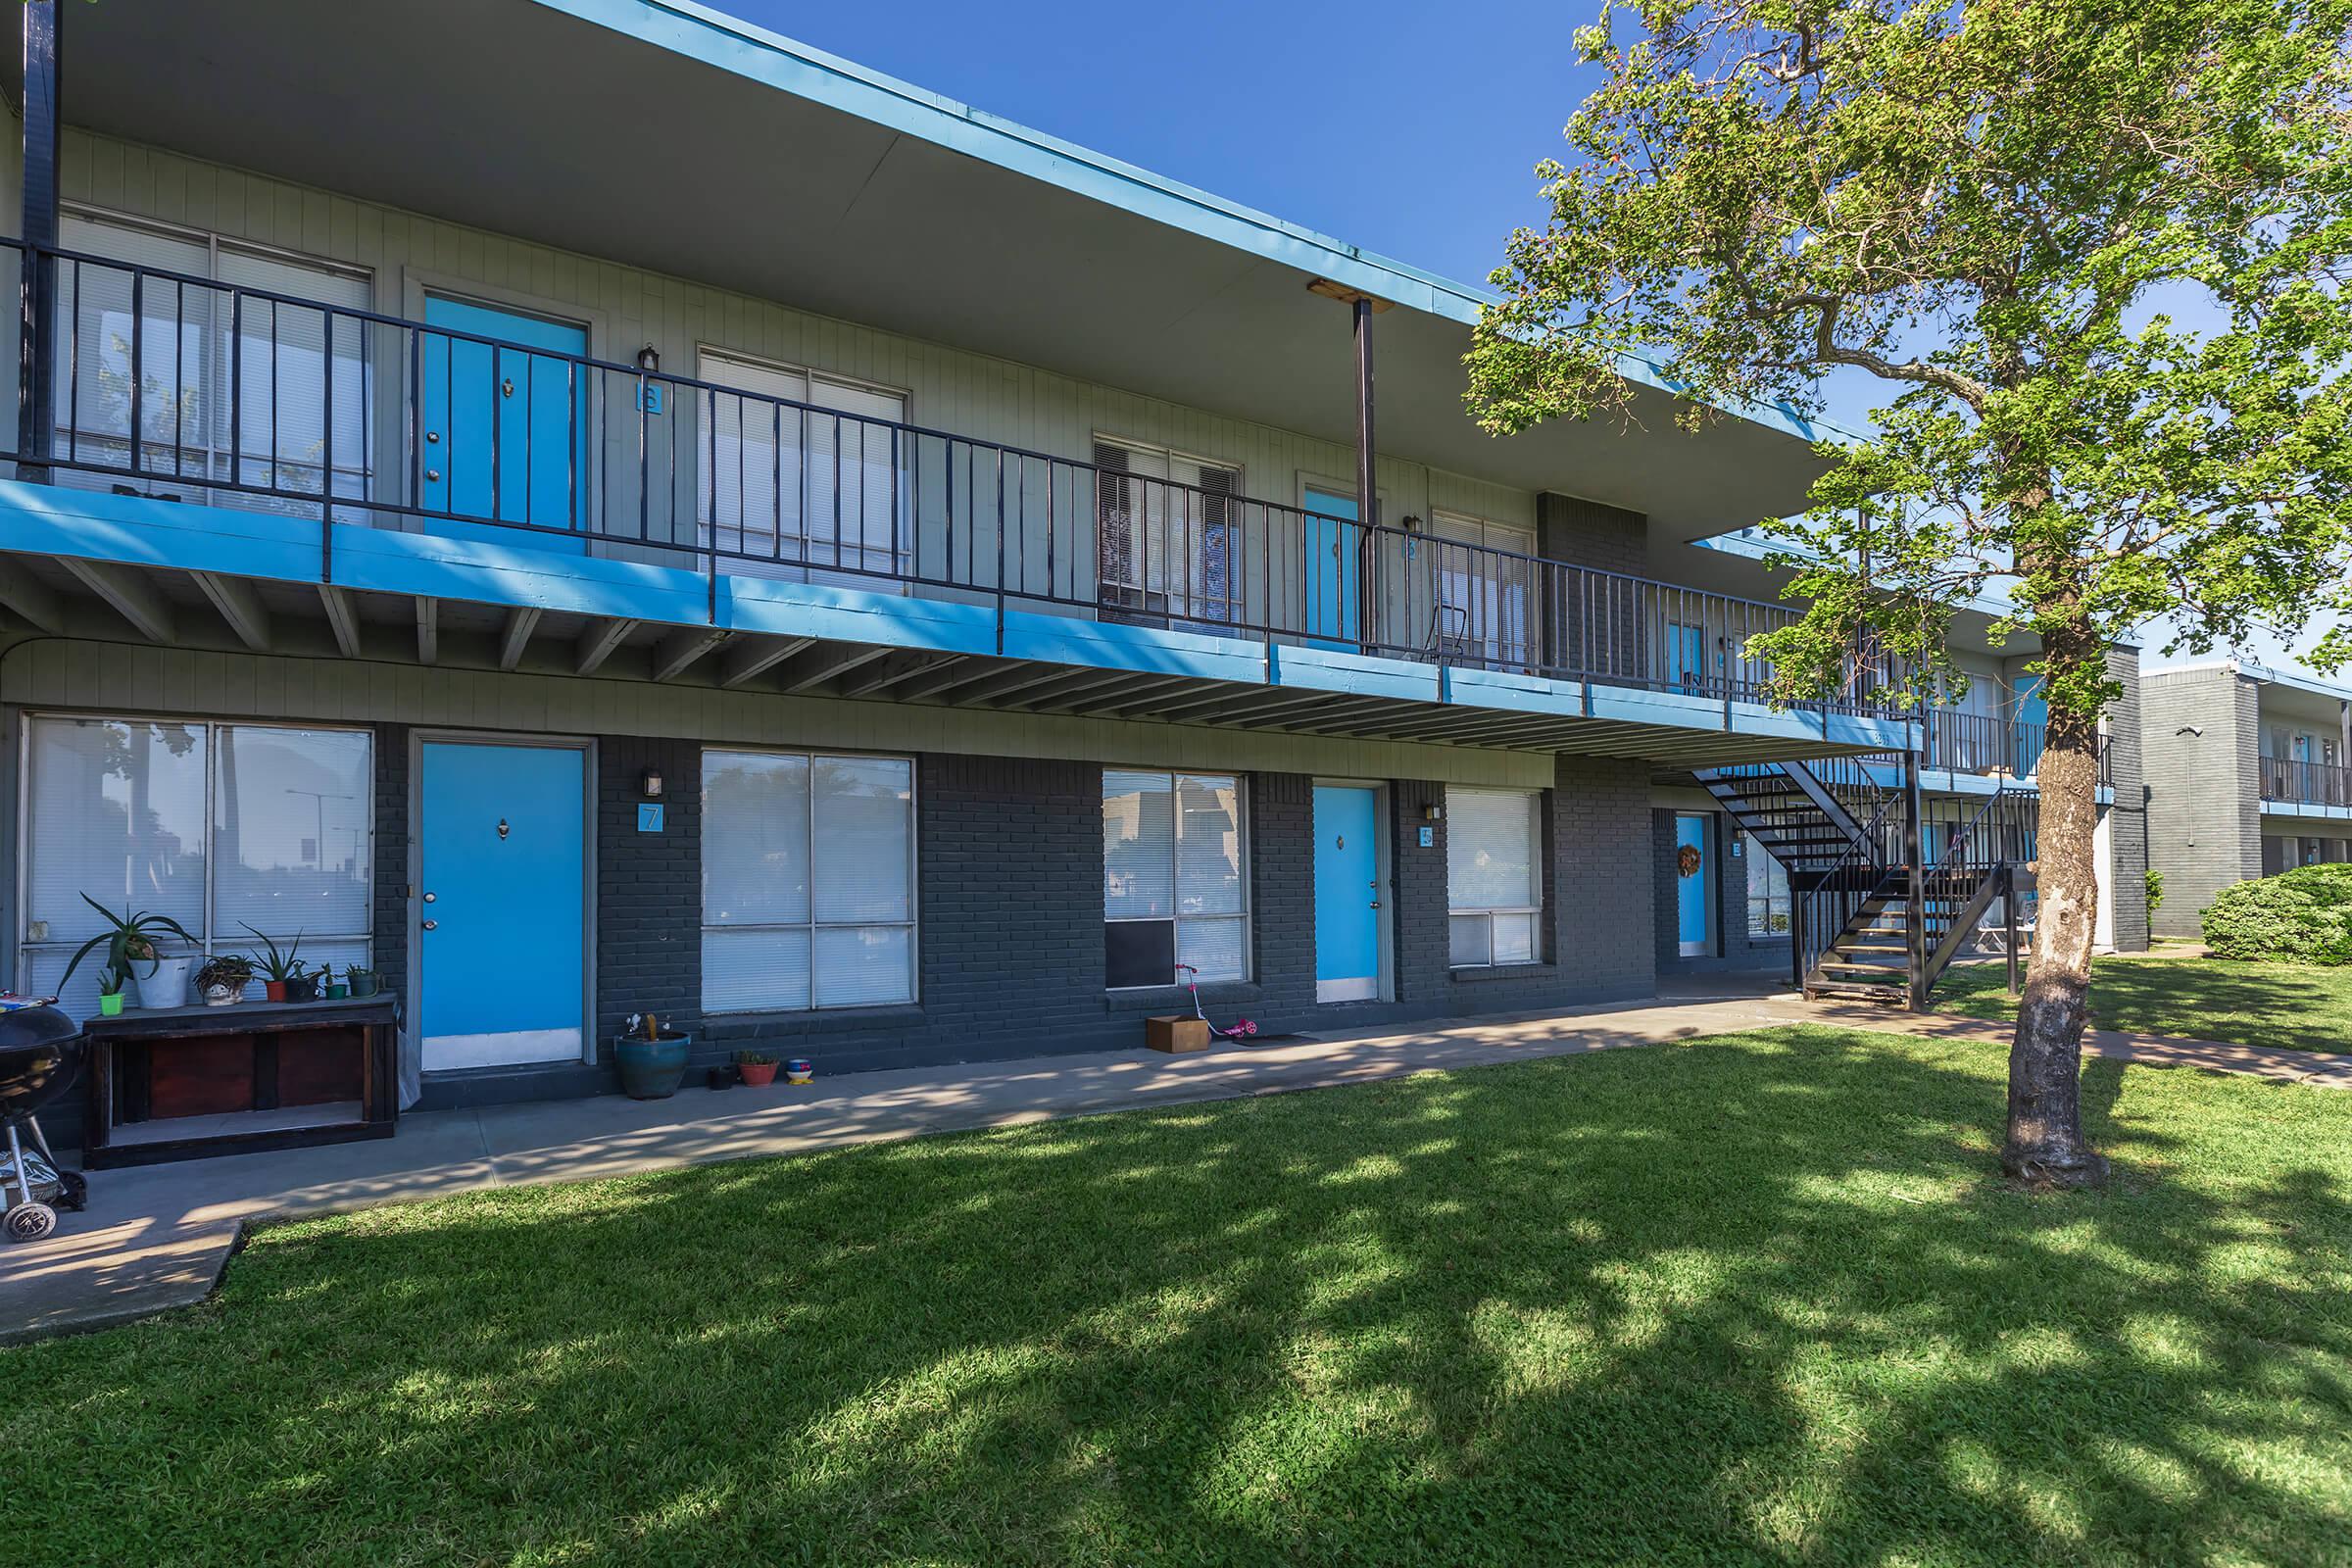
(808, 881)
(1174, 880)
(1493, 876)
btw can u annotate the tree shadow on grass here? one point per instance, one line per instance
(1757, 1300)
(2292, 1006)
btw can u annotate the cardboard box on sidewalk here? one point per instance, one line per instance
(1176, 1034)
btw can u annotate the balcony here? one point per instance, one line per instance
(1989, 747)
(180, 389)
(2290, 782)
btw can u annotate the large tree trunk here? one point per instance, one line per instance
(2045, 1056)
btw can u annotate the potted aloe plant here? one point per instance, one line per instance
(111, 982)
(129, 940)
(223, 978)
(278, 965)
(758, 1069)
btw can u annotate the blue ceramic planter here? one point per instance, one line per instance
(651, 1069)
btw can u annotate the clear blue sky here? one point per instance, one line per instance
(1408, 132)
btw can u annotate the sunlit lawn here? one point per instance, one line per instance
(2299, 1006)
(1745, 1299)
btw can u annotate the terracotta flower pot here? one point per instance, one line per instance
(758, 1074)
(273, 991)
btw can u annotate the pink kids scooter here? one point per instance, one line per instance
(1241, 1028)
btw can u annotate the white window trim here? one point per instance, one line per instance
(912, 924)
(1455, 912)
(210, 940)
(1175, 919)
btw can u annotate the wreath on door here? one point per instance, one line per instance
(1686, 859)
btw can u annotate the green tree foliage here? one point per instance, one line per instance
(2007, 211)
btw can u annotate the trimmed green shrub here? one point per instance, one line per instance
(2304, 915)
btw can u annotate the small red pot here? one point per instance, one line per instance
(273, 991)
(758, 1074)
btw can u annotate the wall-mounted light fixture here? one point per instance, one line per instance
(651, 784)
(648, 359)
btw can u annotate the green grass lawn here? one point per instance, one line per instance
(1754, 1299)
(2299, 1006)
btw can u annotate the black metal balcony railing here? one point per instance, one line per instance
(2293, 781)
(1993, 747)
(193, 389)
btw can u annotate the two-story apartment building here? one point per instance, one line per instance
(2248, 776)
(588, 508)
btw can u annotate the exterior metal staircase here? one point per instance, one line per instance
(1872, 914)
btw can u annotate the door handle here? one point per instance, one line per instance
(432, 925)
(1375, 904)
(432, 898)
(432, 438)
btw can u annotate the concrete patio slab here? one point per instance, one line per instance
(158, 1237)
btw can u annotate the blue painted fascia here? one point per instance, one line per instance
(140, 531)
(1512, 693)
(1327, 669)
(853, 616)
(756, 54)
(1104, 645)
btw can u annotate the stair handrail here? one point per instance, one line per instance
(1954, 862)
(1808, 944)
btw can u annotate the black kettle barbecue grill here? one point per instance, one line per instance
(41, 1052)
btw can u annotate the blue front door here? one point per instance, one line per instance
(1333, 612)
(1685, 655)
(502, 839)
(505, 430)
(1346, 893)
(1692, 875)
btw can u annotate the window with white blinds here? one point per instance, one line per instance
(1493, 876)
(1174, 881)
(808, 881)
(1485, 600)
(219, 826)
(809, 492)
(1167, 532)
(1768, 897)
(228, 388)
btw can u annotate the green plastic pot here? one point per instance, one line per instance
(111, 1006)
(652, 1070)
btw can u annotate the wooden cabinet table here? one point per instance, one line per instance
(175, 1083)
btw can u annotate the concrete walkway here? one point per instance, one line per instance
(158, 1237)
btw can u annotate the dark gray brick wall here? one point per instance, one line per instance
(2204, 816)
(648, 887)
(2128, 816)
(1586, 533)
(1734, 948)
(1011, 957)
(1601, 807)
(392, 914)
